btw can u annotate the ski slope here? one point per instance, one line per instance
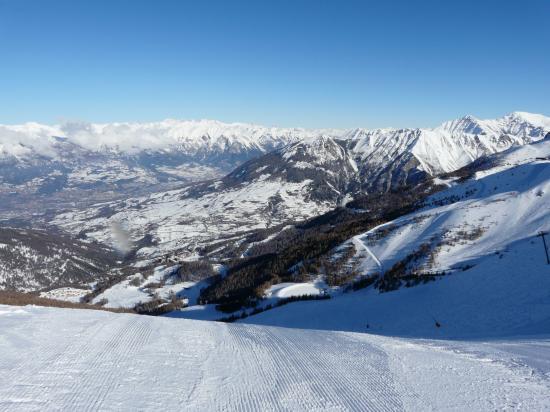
(506, 203)
(62, 359)
(497, 281)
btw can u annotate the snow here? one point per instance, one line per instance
(190, 136)
(67, 293)
(497, 278)
(443, 182)
(123, 295)
(143, 263)
(289, 289)
(537, 120)
(198, 312)
(452, 145)
(103, 361)
(178, 221)
(165, 284)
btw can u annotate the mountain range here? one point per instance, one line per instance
(191, 189)
(300, 180)
(41, 159)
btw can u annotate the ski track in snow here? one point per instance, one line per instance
(59, 359)
(359, 244)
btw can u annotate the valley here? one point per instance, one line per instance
(274, 206)
(314, 211)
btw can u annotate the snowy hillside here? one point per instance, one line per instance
(263, 193)
(302, 180)
(118, 194)
(475, 239)
(38, 159)
(471, 261)
(77, 164)
(387, 157)
(178, 221)
(507, 200)
(102, 361)
(33, 259)
(181, 222)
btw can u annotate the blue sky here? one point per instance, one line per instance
(288, 63)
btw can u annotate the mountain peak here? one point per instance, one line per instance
(537, 120)
(470, 118)
(465, 125)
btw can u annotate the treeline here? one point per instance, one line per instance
(194, 271)
(309, 245)
(280, 302)
(467, 172)
(23, 299)
(159, 306)
(392, 279)
(416, 267)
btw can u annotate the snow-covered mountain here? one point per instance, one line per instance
(203, 137)
(386, 158)
(363, 160)
(301, 180)
(469, 258)
(33, 259)
(127, 157)
(471, 262)
(456, 143)
(75, 161)
(98, 178)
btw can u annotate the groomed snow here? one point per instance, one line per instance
(62, 359)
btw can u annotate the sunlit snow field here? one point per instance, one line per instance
(54, 359)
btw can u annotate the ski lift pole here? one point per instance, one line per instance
(541, 234)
